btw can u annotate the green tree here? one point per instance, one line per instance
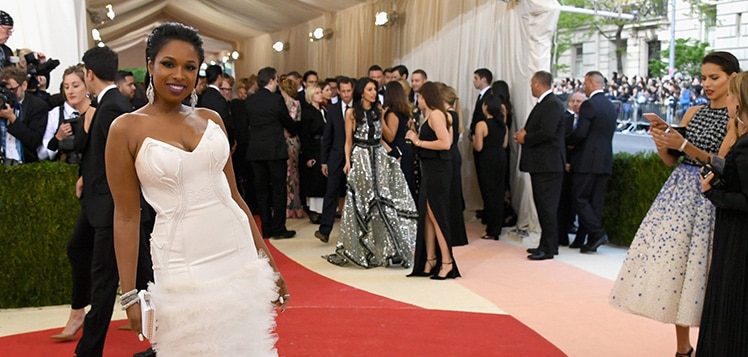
(688, 56)
(610, 28)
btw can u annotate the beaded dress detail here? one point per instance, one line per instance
(664, 274)
(378, 227)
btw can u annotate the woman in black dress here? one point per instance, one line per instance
(489, 140)
(433, 145)
(458, 234)
(723, 330)
(396, 119)
(313, 182)
(500, 89)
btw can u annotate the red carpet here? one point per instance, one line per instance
(327, 318)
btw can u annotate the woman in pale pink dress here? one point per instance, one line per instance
(293, 203)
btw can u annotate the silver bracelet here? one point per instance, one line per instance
(683, 146)
(131, 302)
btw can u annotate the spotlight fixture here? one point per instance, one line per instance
(110, 12)
(96, 35)
(319, 33)
(280, 46)
(235, 55)
(384, 18)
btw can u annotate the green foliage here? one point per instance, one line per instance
(688, 56)
(633, 186)
(38, 209)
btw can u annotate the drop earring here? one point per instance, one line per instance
(193, 99)
(149, 92)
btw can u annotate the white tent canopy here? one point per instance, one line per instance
(449, 39)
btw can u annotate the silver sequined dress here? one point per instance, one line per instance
(664, 274)
(379, 222)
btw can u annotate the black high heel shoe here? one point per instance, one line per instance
(687, 354)
(450, 275)
(434, 270)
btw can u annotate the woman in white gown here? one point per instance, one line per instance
(213, 292)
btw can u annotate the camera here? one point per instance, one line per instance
(7, 96)
(713, 167)
(34, 67)
(67, 144)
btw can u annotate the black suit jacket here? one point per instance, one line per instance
(568, 130)
(477, 113)
(543, 150)
(96, 197)
(267, 116)
(593, 137)
(8, 53)
(212, 99)
(333, 139)
(310, 134)
(29, 129)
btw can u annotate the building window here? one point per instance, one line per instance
(654, 47)
(578, 60)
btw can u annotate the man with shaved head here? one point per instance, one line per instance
(592, 162)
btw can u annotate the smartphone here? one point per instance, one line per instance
(654, 118)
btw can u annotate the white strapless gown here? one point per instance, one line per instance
(213, 294)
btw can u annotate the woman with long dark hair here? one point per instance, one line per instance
(396, 121)
(490, 139)
(500, 89)
(665, 270)
(433, 144)
(378, 227)
(458, 234)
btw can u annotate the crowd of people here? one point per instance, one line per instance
(194, 155)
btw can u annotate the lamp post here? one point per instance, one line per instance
(671, 65)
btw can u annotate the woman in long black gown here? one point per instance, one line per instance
(724, 329)
(433, 145)
(458, 234)
(396, 119)
(489, 139)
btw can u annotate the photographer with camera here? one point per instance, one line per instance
(65, 123)
(38, 68)
(23, 119)
(6, 29)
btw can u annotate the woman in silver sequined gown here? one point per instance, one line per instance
(664, 274)
(378, 227)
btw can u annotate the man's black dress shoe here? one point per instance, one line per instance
(578, 243)
(540, 255)
(321, 236)
(147, 353)
(593, 244)
(533, 250)
(285, 234)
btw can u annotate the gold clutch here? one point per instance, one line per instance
(147, 314)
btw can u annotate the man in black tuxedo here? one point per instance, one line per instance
(482, 79)
(543, 156)
(21, 127)
(97, 207)
(214, 100)
(592, 163)
(267, 151)
(332, 156)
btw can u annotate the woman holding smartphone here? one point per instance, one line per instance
(664, 274)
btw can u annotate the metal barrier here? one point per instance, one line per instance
(630, 117)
